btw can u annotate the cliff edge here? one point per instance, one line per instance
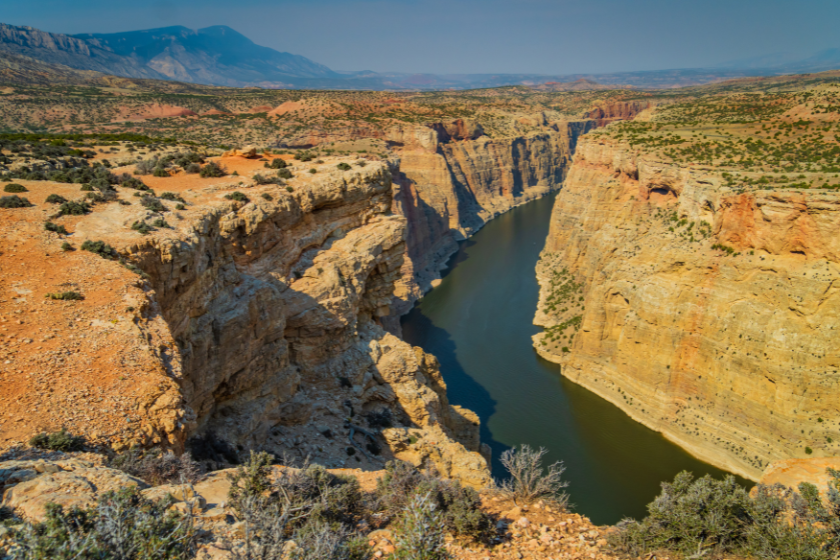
(253, 316)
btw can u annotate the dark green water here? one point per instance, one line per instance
(478, 323)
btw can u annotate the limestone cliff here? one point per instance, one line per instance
(258, 320)
(705, 312)
(453, 180)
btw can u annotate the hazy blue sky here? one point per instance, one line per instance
(475, 36)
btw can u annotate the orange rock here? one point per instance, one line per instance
(791, 472)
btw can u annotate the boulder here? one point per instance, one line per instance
(792, 472)
(246, 152)
(68, 488)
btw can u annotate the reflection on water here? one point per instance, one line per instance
(478, 323)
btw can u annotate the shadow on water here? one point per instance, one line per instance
(460, 256)
(470, 393)
(478, 323)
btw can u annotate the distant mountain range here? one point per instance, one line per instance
(221, 56)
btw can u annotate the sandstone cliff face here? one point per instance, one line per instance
(274, 306)
(256, 320)
(453, 180)
(731, 356)
(609, 111)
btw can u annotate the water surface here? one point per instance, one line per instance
(478, 323)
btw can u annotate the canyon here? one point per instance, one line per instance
(267, 315)
(265, 323)
(453, 179)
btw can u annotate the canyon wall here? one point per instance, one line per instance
(453, 180)
(274, 308)
(729, 352)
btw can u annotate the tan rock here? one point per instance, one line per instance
(78, 488)
(729, 357)
(792, 472)
(246, 152)
(214, 488)
(453, 180)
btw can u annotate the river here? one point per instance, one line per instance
(478, 323)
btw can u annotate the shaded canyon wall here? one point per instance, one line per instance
(274, 307)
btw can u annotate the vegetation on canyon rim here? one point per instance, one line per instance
(707, 516)
(319, 511)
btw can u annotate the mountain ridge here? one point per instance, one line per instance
(221, 56)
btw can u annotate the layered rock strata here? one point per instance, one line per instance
(274, 309)
(706, 313)
(256, 318)
(453, 180)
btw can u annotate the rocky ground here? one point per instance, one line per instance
(76, 479)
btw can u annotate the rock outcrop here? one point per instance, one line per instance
(28, 486)
(704, 312)
(274, 308)
(792, 472)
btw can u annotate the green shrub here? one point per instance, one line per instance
(152, 203)
(172, 196)
(86, 187)
(56, 199)
(263, 180)
(58, 441)
(160, 223)
(276, 163)
(698, 517)
(180, 207)
(313, 171)
(237, 196)
(99, 248)
(95, 197)
(66, 296)
(145, 166)
(73, 208)
(419, 531)
(266, 196)
(49, 226)
(290, 189)
(141, 227)
(192, 168)
(122, 525)
(14, 188)
(157, 467)
(458, 506)
(285, 174)
(66, 247)
(160, 172)
(14, 201)
(212, 169)
(314, 494)
(324, 541)
(344, 166)
(250, 480)
(130, 182)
